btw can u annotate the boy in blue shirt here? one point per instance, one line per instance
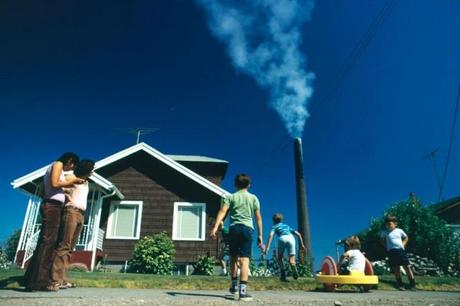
(286, 241)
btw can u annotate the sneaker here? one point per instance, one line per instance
(295, 274)
(233, 293)
(400, 288)
(52, 287)
(245, 297)
(67, 285)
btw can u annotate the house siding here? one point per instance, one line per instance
(159, 188)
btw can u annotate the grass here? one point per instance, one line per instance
(12, 278)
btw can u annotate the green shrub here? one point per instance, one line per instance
(4, 262)
(204, 265)
(304, 270)
(11, 245)
(154, 255)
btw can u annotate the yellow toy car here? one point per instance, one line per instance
(331, 279)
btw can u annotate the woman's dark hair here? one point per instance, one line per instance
(242, 181)
(84, 167)
(69, 156)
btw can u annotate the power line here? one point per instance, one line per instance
(350, 61)
(275, 154)
(451, 140)
(358, 51)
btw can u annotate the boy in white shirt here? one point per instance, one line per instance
(395, 240)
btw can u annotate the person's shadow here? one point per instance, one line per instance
(11, 283)
(172, 293)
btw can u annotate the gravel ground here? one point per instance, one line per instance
(112, 296)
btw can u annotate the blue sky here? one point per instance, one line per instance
(75, 75)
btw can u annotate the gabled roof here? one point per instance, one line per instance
(169, 161)
(446, 205)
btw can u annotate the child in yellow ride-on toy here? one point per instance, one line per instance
(352, 259)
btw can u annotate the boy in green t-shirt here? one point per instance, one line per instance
(242, 206)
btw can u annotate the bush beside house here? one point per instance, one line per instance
(154, 255)
(429, 236)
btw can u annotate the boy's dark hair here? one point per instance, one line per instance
(242, 181)
(353, 243)
(277, 218)
(69, 156)
(84, 167)
(390, 218)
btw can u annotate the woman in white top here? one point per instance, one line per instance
(37, 276)
(73, 219)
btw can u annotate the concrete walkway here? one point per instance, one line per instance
(113, 296)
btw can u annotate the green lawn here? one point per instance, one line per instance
(11, 279)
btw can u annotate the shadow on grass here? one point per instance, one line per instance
(198, 294)
(11, 281)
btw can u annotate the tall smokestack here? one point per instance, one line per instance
(303, 222)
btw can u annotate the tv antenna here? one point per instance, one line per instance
(141, 131)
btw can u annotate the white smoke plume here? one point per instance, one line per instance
(262, 39)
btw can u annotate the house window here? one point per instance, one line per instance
(124, 220)
(189, 221)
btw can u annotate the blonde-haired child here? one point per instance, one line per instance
(352, 259)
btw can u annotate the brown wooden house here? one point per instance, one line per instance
(449, 210)
(137, 192)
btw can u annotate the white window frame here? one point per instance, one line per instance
(113, 204)
(176, 216)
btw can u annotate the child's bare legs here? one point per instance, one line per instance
(234, 273)
(295, 273)
(223, 265)
(244, 268)
(410, 276)
(281, 266)
(397, 272)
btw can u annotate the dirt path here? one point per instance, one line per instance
(112, 296)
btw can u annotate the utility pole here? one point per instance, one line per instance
(432, 156)
(451, 141)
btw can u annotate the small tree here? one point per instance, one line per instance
(4, 262)
(153, 254)
(11, 245)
